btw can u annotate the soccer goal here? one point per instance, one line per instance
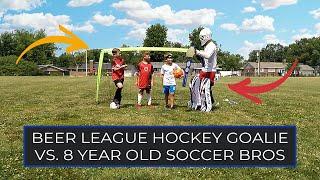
(128, 49)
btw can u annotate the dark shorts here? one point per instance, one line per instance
(148, 90)
(118, 81)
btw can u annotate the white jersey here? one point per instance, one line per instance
(167, 72)
(210, 57)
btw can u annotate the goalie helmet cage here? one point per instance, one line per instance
(110, 84)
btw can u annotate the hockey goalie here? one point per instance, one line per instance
(201, 85)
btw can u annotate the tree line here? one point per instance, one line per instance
(306, 50)
(13, 43)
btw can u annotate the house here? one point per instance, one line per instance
(306, 70)
(91, 69)
(52, 70)
(275, 69)
(266, 69)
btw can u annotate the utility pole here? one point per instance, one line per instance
(86, 62)
(258, 59)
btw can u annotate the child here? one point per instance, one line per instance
(144, 79)
(118, 66)
(169, 81)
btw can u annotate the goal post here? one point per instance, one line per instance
(128, 49)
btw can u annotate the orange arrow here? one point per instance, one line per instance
(75, 42)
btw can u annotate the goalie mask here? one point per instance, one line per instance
(205, 36)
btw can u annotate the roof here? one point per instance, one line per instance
(305, 67)
(95, 65)
(268, 65)
(52, 66)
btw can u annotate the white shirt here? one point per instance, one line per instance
(167, 72)
(210, 57)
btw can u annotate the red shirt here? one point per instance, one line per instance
(145, 75)
(117, 74)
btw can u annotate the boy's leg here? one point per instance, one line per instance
(140, 96)
(117, 97)
(172, 91)
(171, 100)
(148, 92)
(166, 95)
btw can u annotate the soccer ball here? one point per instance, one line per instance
(178, 73)
(113, 105)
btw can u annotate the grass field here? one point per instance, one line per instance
(71, 101)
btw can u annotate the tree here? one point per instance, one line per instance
(273, 53)
(64, 60)
(229, 62)
(194, 38)
(8, 67)
(156, 36)
(306, 50)
(8, 44)
(14, 43)
(131, 57)
(253, 56)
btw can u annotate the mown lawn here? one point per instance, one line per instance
(71, 101)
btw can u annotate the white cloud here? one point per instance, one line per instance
(5, 27)
(138, 30)
(20, 5)
(230, 27)
(81, 3)
(142, 10)
(273, 4)
(306, 33)
(17, 5)
(302, 36)
(47, 21)
(315, 13)
(86, 27)
(272, 39)
(178, 35)
(191, 17)
(254, 2)
(126, 22)
(138, 9)
(317, 27)
(103, 19)
(304, 30)
(258, 23)
(248, 9)
(248, 47)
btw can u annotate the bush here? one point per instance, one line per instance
(8, 67)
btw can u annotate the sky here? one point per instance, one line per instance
(239, 26)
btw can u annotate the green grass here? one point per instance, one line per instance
(71, 101)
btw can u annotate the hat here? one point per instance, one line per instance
(167, 56)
